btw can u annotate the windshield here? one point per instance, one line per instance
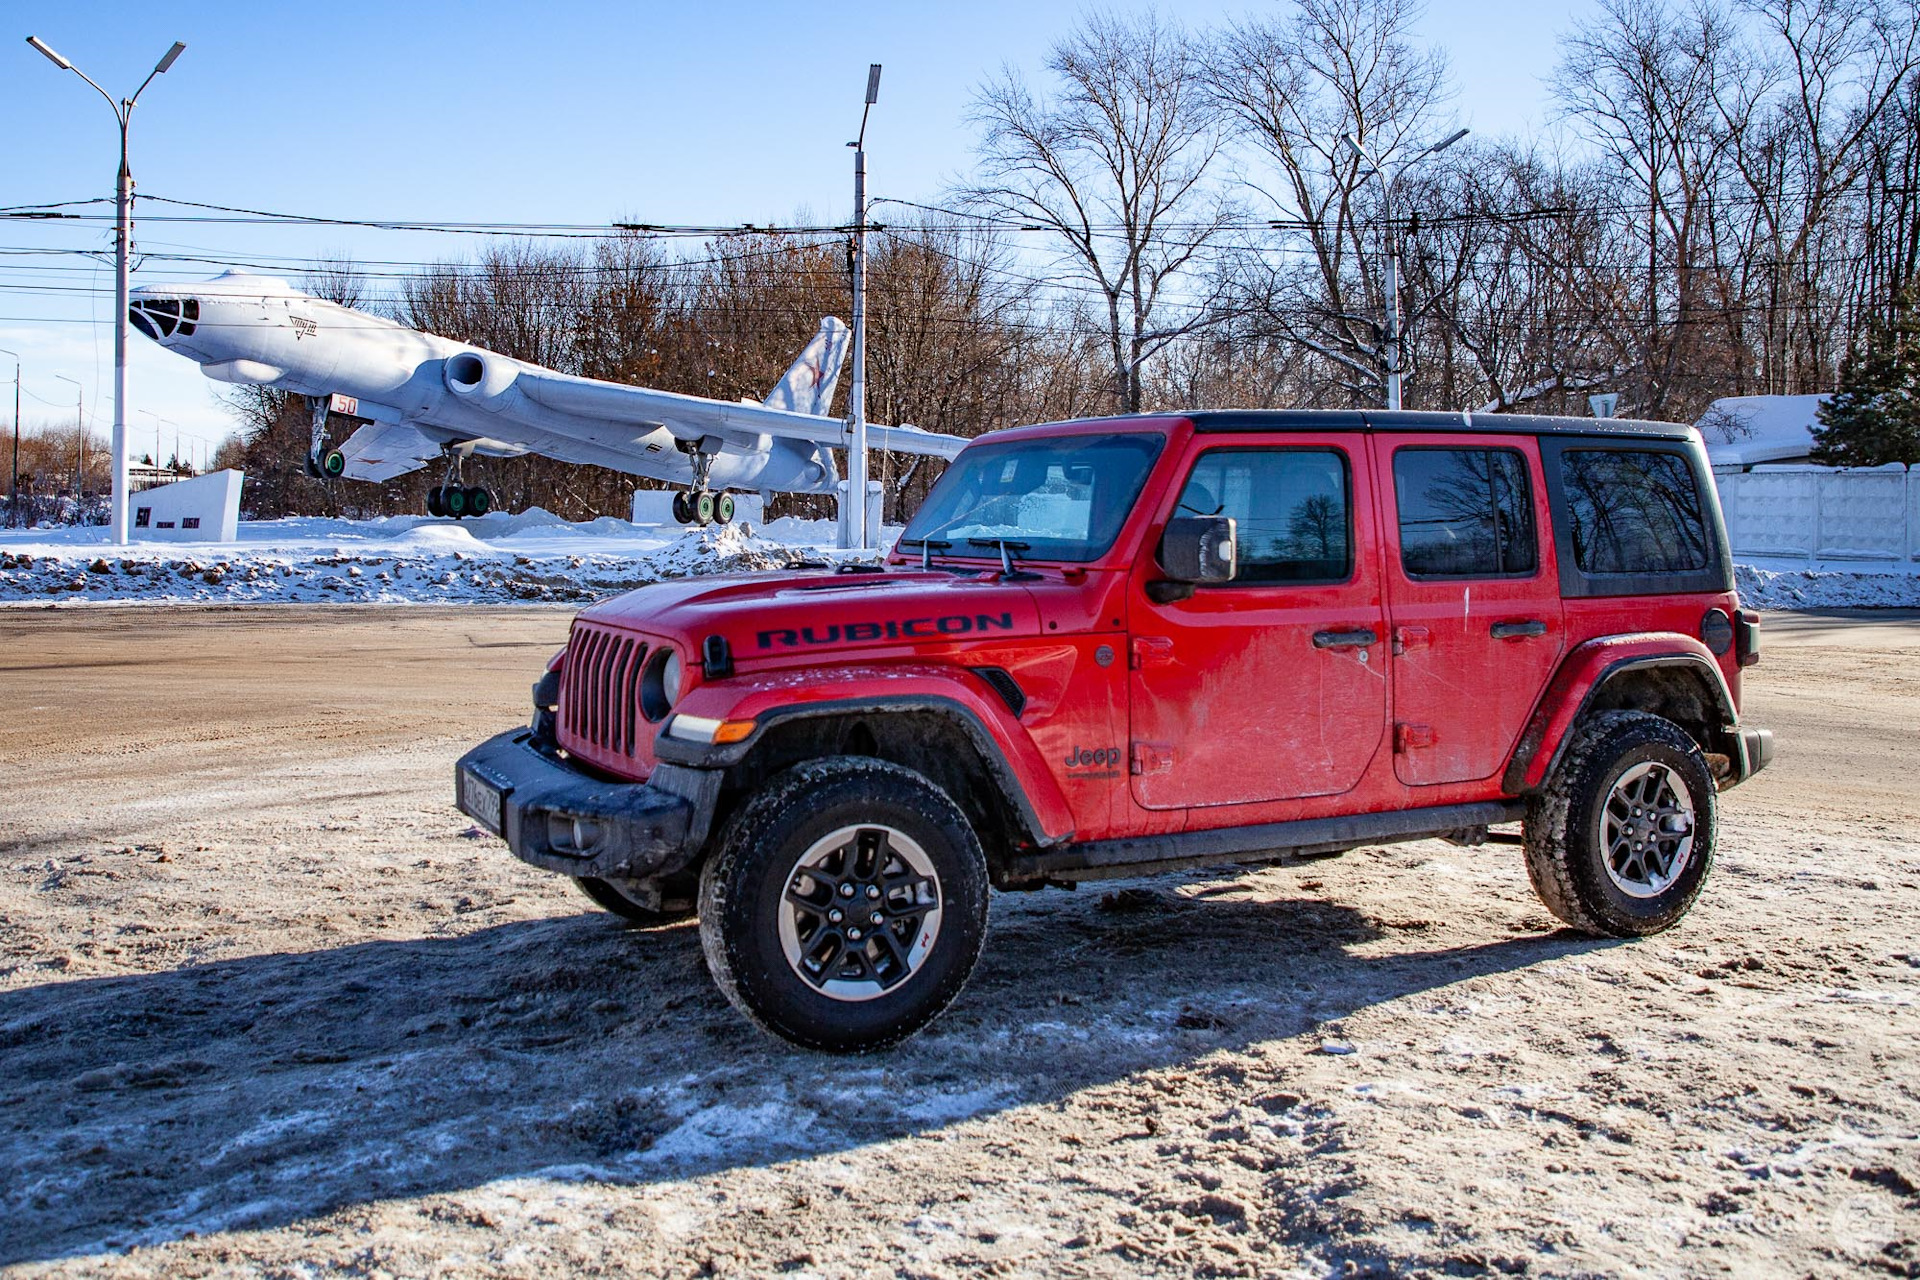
(1064, 498)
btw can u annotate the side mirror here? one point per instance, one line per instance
(1196, 549)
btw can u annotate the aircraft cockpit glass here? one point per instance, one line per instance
(164, 317)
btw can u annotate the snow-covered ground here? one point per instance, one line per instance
(531, 556)
(535, 556)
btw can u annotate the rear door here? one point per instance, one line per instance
(1473, 599)
(1272, 686)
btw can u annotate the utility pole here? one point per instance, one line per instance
(13, 494)
(123, 250)
(859, 535)
(1391, 331)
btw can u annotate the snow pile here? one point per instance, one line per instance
(1825, 589)
(531, 557)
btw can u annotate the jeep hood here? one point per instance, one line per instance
(824, 613)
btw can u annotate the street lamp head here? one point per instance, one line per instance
(873, 83)
(179, 47)
(1359, 153)
(1447, 141)
(52, 57)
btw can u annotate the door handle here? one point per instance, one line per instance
(1517, 630)
(1341, 639)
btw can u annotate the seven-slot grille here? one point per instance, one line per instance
(600, 689)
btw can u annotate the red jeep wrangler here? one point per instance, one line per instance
(1131, 645)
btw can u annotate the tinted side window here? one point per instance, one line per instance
(1634, 512)
(1291, 509)
(1465, 513)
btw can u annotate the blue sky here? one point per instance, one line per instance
(571, 111)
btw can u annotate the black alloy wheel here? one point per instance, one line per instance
(846, 904)
(1620, 840)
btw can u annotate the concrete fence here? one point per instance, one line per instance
(1817, 513)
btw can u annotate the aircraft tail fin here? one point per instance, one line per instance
(809, 383)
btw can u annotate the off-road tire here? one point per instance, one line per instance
(744, 882)
(607, 895)
(1564, 848)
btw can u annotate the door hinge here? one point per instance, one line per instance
(1406, 737)
(1151, 651)
(1405, 638)
(1152, 757)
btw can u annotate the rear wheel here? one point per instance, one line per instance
(1621, 840)
(846, 904)
(682, 508)
(454, 499)
(479, 501)
(723, 508)
(612, 896)
(435, 507)
(703, 508)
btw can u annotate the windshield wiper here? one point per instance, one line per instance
(1007, 547)
(927, 547)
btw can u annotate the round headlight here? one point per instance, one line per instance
(660, 684)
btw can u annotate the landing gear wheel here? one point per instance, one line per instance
(846, 904)
(333, 465)
(454, 499)
(723, 509)
(436, 506)
(609, 895)
(703, 508)
(682, 509)
(479, 501)
(1621, 840)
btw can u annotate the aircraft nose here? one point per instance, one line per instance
(162, 318)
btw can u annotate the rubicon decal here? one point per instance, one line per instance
(952, 624)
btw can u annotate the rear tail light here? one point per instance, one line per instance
(1746, 637)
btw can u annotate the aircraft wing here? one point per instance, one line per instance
(379, 451)
(691, 417)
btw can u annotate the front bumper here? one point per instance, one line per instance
(556, 817)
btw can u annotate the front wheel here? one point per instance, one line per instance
(1620, 841)
(610, 895)
(846, 904)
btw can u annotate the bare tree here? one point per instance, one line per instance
(1114, 166)
(1291, 87)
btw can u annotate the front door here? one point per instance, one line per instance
(1271, 686)
(1473, 598)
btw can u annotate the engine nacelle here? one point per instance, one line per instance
(483, 379)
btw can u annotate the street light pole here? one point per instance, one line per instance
(1392, 330)
(13, 494)
(80, 440)
(859, 535)
(123, 250)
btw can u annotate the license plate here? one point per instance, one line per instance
(481, 800)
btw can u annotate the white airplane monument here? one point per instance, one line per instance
(417, 398)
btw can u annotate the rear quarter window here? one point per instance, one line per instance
(1634, 521)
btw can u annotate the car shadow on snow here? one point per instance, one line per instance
(254, 1092)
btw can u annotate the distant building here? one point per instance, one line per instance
(141, 475)
(1743, 432)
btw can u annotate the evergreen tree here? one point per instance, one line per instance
(1874, 415)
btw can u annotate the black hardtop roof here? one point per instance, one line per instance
(1230, 420)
